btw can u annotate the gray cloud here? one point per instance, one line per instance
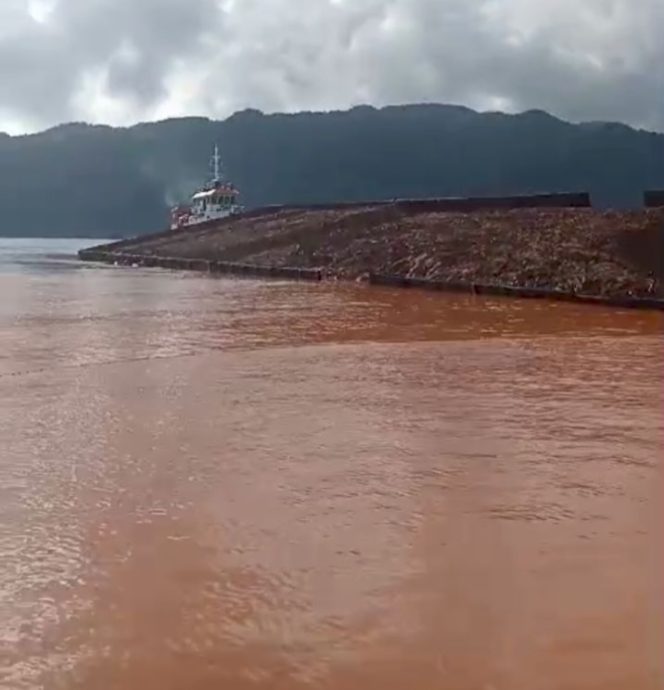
(119, 61)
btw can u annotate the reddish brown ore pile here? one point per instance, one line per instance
(581, 250)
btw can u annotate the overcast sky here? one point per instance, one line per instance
(120, 61)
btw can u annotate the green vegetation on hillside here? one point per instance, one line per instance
(99, 181)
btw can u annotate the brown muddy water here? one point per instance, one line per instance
(212, 483)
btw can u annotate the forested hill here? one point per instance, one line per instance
(100, 181)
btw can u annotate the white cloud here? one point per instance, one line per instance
(119, 61)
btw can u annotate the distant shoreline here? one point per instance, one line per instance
(61, 237)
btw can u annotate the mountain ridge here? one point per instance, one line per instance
(102, 181)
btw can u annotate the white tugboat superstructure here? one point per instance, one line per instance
(217, 200)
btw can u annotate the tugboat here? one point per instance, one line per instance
(218, 199)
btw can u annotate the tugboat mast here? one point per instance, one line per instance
(216, 165)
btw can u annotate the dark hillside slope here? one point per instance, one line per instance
(84, 180)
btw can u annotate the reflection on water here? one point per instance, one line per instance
(211, 483)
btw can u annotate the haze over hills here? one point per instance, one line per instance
(100, 181)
